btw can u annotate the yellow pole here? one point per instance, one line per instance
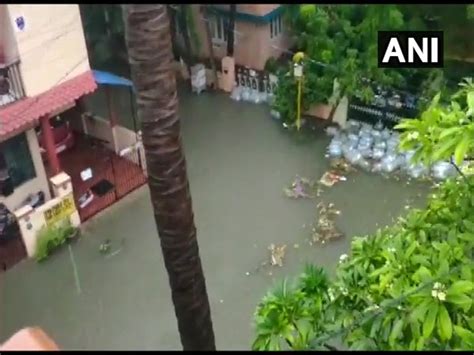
(297, 59)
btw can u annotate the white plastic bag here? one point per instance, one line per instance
(332, 131)
(335, 150)
(417, 171)
(255, 96)
(352, 156)
(390, 163)
(275, 114)
(236, 93)
(366, 153)
(386, 134)
(245, 94)
(378, 153)
(443, 170)
(364, 164)
(377, 167)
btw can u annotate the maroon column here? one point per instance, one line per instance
(48, 138)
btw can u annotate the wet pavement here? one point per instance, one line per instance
(239, 162)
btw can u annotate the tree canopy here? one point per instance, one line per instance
(340, 42)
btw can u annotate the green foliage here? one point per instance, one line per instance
(50, 238)
(340, 42)
(407, 287)
(343, 40)
(104, 31)
(444, 130)
(191, 27)
(271, 65)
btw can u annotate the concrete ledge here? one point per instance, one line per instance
(30, 339)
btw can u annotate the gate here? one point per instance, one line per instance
(106, 177)
(128, 168)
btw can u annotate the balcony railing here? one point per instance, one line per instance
(11, 84)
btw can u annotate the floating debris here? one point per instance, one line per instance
(296, 246)
(341, 166)
(277, 254)
(104, 248)
(330, 178)
(299, 188)
(325, 228)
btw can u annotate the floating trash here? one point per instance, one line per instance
(236, 93)
(329, 178)
(332, 131)
(275, 114)
(341, 166)
(277, 254)
(325, 227)
(299, 188)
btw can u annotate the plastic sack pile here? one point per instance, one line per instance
(375, 149)
(248, 94)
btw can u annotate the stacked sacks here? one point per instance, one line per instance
(375, 148)
(335, 147)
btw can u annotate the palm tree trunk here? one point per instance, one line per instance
(149, 46)
(230, 30)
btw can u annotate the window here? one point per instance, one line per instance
(219, 27)
(276, 26)
(15, 158)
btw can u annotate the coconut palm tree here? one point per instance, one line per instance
(150, 53)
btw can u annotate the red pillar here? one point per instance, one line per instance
(48, 138)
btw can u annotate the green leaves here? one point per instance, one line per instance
(442, 131)
(461, 149)
(445, 327)
(396, 331)
(430, 320)
(470, 100)
(460, 287)
(467, 336)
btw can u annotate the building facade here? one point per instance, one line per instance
(259, 32)
(44, 71)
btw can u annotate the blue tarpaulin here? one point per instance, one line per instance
(106, 78)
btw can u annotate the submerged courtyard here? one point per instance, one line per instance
(239, 162)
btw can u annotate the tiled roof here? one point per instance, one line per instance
(23, 114)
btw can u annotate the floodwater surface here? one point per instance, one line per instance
(239, 161)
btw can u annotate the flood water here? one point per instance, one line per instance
(239, 161)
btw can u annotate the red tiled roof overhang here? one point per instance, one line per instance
(24, 114)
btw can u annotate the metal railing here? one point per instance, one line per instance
(11, 83)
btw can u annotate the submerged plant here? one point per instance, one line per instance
(52, 237)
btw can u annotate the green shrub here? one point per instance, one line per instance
(407, 287)
(271, 65)
(50, 238)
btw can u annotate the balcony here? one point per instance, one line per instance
(11, 84)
